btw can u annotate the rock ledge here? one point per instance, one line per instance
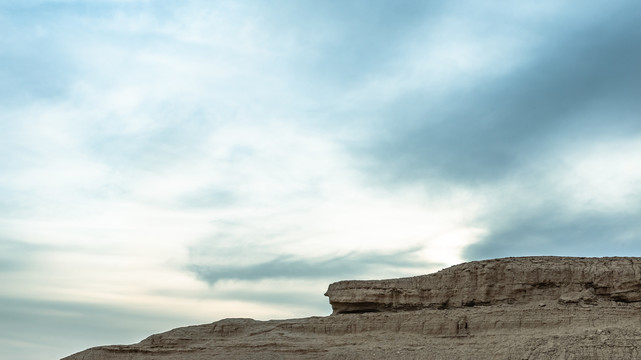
(499, 281)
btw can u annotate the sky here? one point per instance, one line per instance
(169, 163)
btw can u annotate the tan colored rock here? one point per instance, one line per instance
(586, 309)
(492, 282)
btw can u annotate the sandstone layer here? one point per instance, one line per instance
(514, 308)
(499, 281)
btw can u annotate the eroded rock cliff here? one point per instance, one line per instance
(513, 308)
(498, 281)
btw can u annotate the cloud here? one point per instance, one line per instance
(16, 255)
(518, 138)
(346, 42)
(501, 125)
(580, 84)
(302, 295)
(548, 230)
(209, 198)
(339, 268)
(43, 329)
(32, 66)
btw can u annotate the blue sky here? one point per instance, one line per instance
(170, 163)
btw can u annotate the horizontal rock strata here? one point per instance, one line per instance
(498, 281)
(535, 308)
(554, 331)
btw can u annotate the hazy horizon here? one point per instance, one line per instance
(173, 163)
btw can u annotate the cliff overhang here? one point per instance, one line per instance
(497, 281)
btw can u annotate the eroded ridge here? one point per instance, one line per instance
(497, 281)
(539, 308)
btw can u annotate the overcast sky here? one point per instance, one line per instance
(167, 163)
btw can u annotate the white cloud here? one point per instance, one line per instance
(603, 176)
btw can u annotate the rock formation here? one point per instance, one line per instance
(512, 308)
(493, 282)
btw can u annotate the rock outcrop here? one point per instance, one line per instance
(513, 308)
(499, 281)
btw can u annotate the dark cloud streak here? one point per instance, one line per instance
(343, 267)
(574, 234)
(493, 128)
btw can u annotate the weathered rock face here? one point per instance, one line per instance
(499, 281)
(534, 308)
(511, 332)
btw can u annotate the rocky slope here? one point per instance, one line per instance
(513, 308)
